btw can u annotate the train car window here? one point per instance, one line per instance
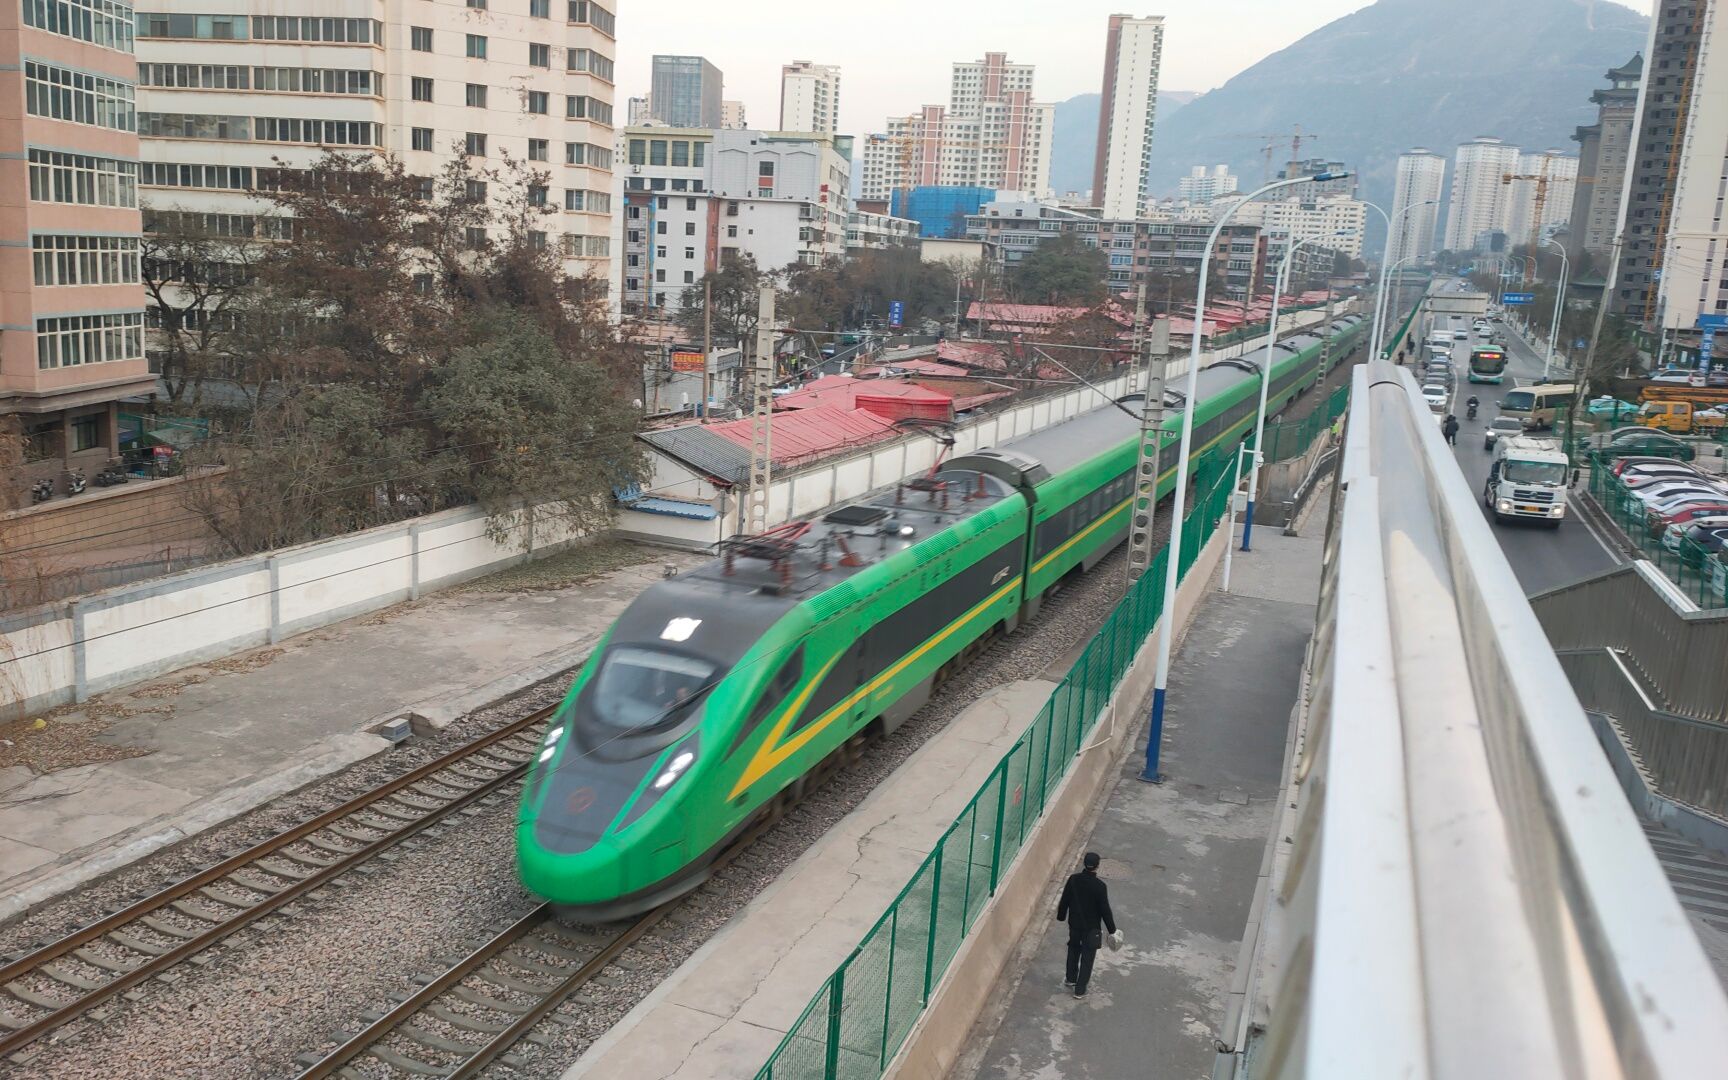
(785, 680)
(641, 689)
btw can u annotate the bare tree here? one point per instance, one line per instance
(195, 282)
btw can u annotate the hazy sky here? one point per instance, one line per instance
(895, 54)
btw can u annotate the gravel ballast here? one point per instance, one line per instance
(282, 988)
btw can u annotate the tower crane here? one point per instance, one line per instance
(1541, 180)
(1296, 137)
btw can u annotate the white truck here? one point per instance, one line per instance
(1527, 481)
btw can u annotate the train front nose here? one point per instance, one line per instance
(593, 876)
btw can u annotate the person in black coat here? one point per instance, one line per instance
(1449, 428)
(1085, 907)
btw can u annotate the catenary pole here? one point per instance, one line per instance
(1173, 567)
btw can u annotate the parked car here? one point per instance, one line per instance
(1686, 515)
(1642, 476)
(1679, 375)
(1435, 395)
(1622, 464)
(1706, 540)
(1661, 491)
(1501, 425)
(1666, 504)
(1649, 442)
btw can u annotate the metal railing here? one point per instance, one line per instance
(856, 1023)
(1459, 889)
(1285, 441)
(1684, 759)
(1634, 609)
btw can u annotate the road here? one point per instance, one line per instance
(1541, 557)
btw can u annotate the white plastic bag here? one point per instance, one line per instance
(1113, 940)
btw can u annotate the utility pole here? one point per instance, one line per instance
(1155, 341)
(707, 344)
(762, 410)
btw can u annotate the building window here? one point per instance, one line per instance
(660, 202)
(587, 11)
(689, 204)
(578, 107)
(100, 22)
(85, 260)
(539, 55)
(86, 432)
(536, 240)
(660, 228)
(537, 194)
(480, 4)
(539, 9)
(731, 231)
(474, 190)
(657, 152)
(660, 251)
(214, 177)
(420, 38)
(696, 154)
(71, 340)
(79, 97)
(588, 60)
(660, 275)
(689, 253)
(689, 277)
(476, 43)
(317, 80)
(421, 138)
(475, 237)
(680, 153)
(573, 199)
(195, 76)
(311, 28)
(537, 149)
(474, 144)
(420, 89)
(475, 96)
(638, 151)
(209, 27)
(539, 102)
(316, 132)
(689, 228)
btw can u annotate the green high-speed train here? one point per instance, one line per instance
(721, 688)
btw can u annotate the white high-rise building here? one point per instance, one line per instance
(1481, 202)
(809, 97)
(639, 111)
(1317, 221)
(1133, 51)
(1561, 169)
(1695, 248)
(225, 100)
(1201, 186)
(1421, 176)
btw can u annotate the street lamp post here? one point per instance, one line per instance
(1380, 299)
(1278, 287)
(1559, 303)
(1379, 334)
(1173, 554)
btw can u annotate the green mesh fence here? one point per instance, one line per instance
(1285, 441)
(1701, 575)
(854, 1026)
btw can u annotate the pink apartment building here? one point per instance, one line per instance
(71, 301)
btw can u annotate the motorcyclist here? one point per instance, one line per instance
(1473, 403)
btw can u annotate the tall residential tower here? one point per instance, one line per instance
(809, 97)
(1481, 201)
(685, 91)
(1421, 175)
(1133, 50)
(1603, 150)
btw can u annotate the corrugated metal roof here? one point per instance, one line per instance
(656, 504)
(801, 433)
(842, 392)
(700, 448)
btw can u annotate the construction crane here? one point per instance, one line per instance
(1296, 137)
(1541, 180)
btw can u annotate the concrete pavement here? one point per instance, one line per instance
(208, 743)
(1181, 858)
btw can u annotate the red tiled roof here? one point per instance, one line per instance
(1038, 314)
(915, 367)
(978, 354)
(842, 392)
(821, 429)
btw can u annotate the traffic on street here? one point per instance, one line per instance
(1542, 556)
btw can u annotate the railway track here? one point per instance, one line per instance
(45, 988)
(471, 1014)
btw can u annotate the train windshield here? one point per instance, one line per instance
(639, 689)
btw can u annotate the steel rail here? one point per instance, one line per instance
(155, 962)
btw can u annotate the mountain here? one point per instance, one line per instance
(1404, 73)
(1075, 140)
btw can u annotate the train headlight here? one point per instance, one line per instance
(554, 734)
(547, 753)
(674, 769)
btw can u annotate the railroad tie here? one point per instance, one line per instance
(136, 944)
(395, 814)
(407, 1064)
(163, 926)
(498, 978)
(437, 1042)
(41, 1001)
(96, 959)
(474, 997)
(457, 1020)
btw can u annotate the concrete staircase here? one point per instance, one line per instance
(1700, 880)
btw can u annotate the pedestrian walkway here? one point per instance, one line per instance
(139, 768)
(1181, 858)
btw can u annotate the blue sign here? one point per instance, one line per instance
(896, 312)
(1706, 348)
(1581, 343)
(1713, 322)
(1517, 297)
